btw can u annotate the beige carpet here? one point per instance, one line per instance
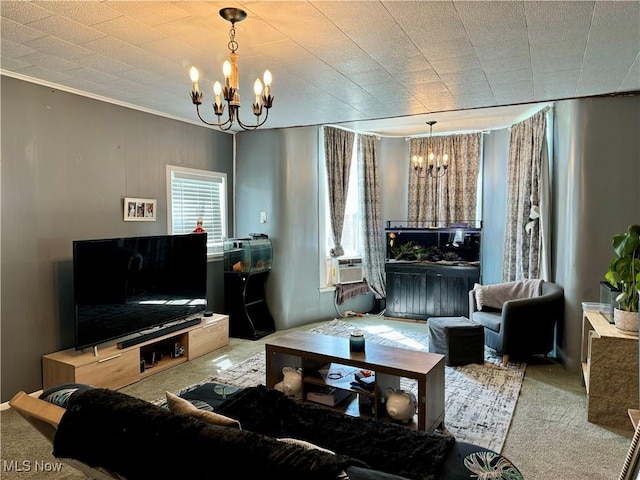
(479, 399)
(549, 437)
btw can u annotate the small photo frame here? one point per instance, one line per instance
(140, 209)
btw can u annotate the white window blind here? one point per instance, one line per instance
(194, 194)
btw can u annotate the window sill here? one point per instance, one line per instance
(328, 288)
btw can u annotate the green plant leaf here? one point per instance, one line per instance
(624, 269)
(625, 244)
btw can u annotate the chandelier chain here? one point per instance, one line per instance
(232, 45)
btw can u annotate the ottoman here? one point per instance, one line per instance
(459, 339)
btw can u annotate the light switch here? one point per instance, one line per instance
(263, 217)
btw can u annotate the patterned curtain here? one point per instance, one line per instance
(522, 229)
(372, 226)
(441, 201)
(338, 148)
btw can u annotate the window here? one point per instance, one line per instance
(194, 194)
(351, 229)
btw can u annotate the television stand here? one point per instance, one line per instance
(113, 367)
(160, 332)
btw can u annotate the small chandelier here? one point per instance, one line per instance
(230, 93)
(433, 168)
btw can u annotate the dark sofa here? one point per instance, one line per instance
(107, 434)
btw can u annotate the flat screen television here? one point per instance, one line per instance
(126, 287)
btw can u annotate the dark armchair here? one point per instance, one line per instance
(524, 326)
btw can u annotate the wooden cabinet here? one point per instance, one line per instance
(610, 371)
(209, 337)
(111, 367)
(245, 302)
(419, 291)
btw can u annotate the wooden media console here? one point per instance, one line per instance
(113, 367)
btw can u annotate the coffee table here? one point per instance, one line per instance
(312, 351)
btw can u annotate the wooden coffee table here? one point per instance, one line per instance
(312, 351)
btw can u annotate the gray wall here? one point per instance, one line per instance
(494, 203)
(67, 163)
(278, 173)
(394, 178)
(596, 195)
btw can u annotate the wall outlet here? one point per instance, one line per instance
(263, 217)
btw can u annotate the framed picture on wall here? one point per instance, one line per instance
(140, 209)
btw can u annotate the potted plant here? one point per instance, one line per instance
(624, 273)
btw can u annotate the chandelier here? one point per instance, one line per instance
(433, 168)
(230, 92)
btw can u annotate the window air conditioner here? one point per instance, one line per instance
(345, 270)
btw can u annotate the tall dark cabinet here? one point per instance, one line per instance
(247, 263)
(430, 271)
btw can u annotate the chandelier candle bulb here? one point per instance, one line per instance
(217, 90)
(267, 83)
(193, 73)
(257, 89)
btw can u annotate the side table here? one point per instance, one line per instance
(610, 371)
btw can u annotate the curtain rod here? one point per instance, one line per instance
(355, 131)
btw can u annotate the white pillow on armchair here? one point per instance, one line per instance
(494, 296)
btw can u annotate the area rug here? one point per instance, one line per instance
(479, 399)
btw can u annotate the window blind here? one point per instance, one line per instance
(199, 194)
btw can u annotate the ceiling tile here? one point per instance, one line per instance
(15, 50)
(505, 64)
(84, 85)
(489, 23)
(456, 64)
(58, 47)
(13, 65)
(66, 29)
(506, 78)
(23, 12)
(149, 13)
(93, 76)
(509, 94)
(345, 61)
(502, 50)
(49, 62)
(43, 73)
(558, 21)
(129, 30)
(18, 33)
(84, 12)
(630, 81)
(104, 64)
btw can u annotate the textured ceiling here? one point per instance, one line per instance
(399, 63)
